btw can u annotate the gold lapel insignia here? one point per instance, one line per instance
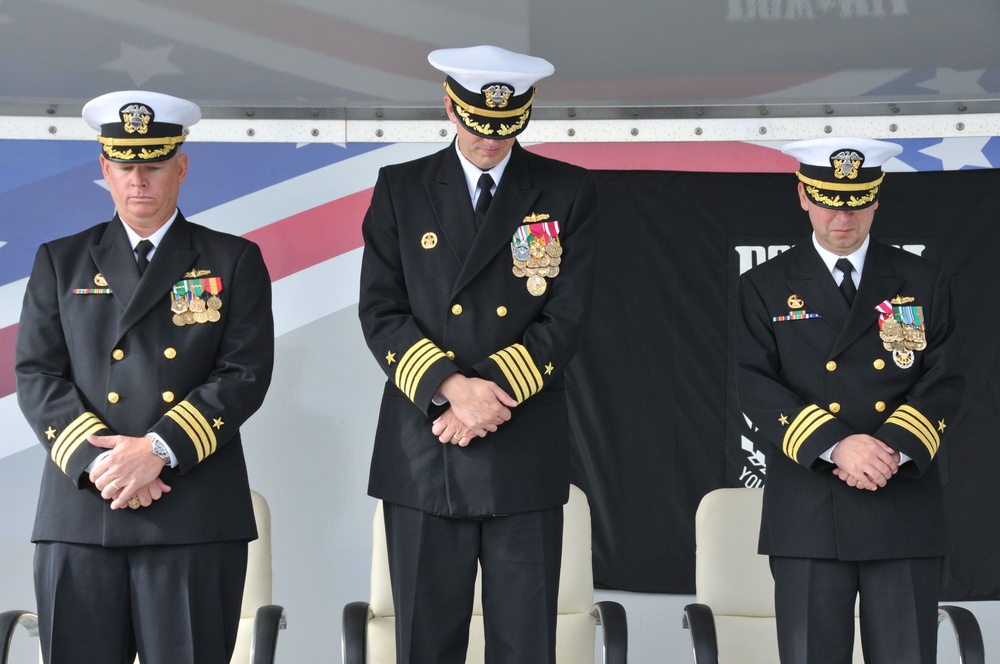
(429, 240)
(100, 280)
(795, 302)
(194, 274)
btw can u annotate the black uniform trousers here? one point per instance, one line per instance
(168, 603)
(814, 602)
(433, 572)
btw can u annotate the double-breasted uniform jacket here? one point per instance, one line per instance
(106, 358)
(438, 298)
(811, 371)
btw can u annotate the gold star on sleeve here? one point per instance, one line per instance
(548, 369)
(50, 433)
(783, 420)
(941, 426)
(217, 423)
(390, 357)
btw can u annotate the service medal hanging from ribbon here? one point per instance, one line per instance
(188, 303)
(537, 252)
(901, 328)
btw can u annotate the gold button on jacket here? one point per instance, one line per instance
(113, 397)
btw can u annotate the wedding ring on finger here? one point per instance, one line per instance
(114, 487)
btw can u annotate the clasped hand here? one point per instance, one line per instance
(129, 476)
(476, 407)
(864, 462)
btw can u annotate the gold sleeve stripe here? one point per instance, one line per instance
(414, 365)
(74, 435)
(913, 421)
(804, 425)
(523, 375)
(196, 427)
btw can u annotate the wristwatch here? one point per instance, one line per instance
(160, 448)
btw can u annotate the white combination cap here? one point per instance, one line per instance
(139, 125)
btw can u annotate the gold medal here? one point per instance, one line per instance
(179, 306)
(891, 331)
(553, 271)
(555, 260)
(903, 359)
(214, 303)
(536, 285)
(178, 320)
(188, 318)
(213, 315)
(196, 305)
(532, 262)
(554, 249)
(519, 271)
(200, 317)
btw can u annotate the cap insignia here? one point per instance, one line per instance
(497, 95)
(846, 164)
(136, 118)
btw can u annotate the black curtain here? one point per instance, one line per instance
(652, 397)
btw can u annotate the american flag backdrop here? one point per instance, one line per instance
(303, 204)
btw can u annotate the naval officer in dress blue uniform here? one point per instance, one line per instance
(475, 288)
(144, 343)
(848, 366)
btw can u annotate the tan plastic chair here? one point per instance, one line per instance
(260, 620)
(733, 619)
(369, 634)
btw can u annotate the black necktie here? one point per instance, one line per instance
(485, 196)
(142, 251)
(847, 286)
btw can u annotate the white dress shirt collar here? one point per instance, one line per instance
(472, 173)
(155, 238)
(830, 259)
